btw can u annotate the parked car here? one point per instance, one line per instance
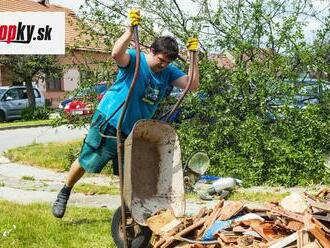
(76, 105)
(13, 100)
(308, 91)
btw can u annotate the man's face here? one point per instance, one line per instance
(159, 61)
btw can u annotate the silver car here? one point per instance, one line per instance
(14, 99)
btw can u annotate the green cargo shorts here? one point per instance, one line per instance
(96, 150)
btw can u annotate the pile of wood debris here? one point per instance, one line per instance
(299, 220)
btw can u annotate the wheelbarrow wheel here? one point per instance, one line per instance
(138, 236)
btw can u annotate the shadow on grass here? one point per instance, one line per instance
(84, 221)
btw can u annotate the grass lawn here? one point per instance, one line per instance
(257, 196)
(34, 226)
(96, 189)
(249, 196)
(57, 155)
(20, 123)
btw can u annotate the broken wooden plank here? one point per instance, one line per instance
(209, 222)
(184, 232)
(322, 217)
(245, 241)
(320, 235)
(210, 219)
(303, 238)
(191, 241)
(312, 245)
(228, 237)
(319, 205)
(294, 225)
(285, 241)
(260, 230)
(313, 226)
(231, 209)
(202, 212)
(167, 236)
(320, 224)
(156, 222)
(323, 193)
(275, 210)
(169, 226)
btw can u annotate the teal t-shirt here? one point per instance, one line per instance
(149, 89)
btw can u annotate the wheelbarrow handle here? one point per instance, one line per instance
(191, 77)
(120, 143)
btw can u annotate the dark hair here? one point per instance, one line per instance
(166, 45)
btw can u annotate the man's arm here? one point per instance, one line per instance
(184, 80)
(119, 53)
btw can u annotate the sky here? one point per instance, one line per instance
(321, 5)
(72, 4)
(75, 4)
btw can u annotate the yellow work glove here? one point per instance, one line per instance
(192, 44)
(134, 17)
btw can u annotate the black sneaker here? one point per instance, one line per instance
(60, 202)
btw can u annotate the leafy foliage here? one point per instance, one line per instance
(31, 114)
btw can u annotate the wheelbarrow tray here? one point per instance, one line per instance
(153, 175)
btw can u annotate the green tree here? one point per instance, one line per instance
(26, 67)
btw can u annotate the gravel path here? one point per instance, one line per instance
(42, 185)
(37, 135)
(25, 184)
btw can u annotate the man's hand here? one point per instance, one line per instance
(134, 17)
(192, 44)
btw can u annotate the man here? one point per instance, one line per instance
(155, 76)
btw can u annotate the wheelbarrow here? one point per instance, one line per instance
(152, 179)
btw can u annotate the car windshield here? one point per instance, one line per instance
(2, 91)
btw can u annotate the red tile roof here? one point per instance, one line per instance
(223, 60)
(29, 5)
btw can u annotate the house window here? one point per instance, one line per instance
(53, 83)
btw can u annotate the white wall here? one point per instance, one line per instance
(71, 79)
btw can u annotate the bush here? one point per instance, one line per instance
(242, 142)
(30, 114)
(71, 155)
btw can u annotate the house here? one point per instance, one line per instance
(55, 89)
(224, 60)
